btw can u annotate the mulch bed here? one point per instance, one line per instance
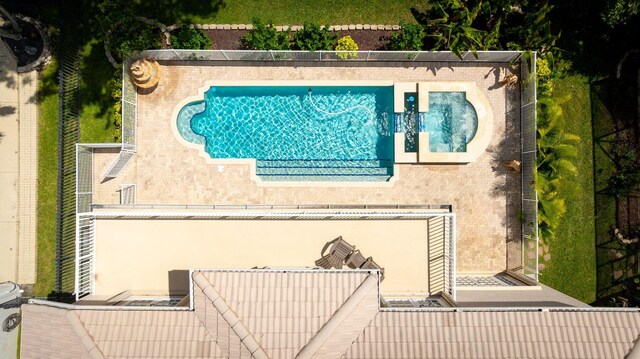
(366, 39)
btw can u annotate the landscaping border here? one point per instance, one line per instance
(290, 27)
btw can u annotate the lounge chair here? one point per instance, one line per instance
(336, 255)
(355, 260)
(371, 264)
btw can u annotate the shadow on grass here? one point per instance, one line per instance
(97, 74)
(181, 11)
(614, 121)
(61, 297)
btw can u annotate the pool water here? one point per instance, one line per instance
(295, 130)
(451, 122)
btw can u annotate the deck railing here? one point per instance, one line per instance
(528, 128)
(86, 233)
(128, 127)
(331, 56)
(85, 253)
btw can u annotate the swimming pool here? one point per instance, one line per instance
(297, 131)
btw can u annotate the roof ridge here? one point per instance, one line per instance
(238, 327)
(85, 338)
(317, 341)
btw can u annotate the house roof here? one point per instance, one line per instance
(507, 334)
(321, 314)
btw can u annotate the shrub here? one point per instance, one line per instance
(265, 37)
(346, 43)
(312, 37)
(115, 86)
(555, 169)
(409, 38)
(191, 39)
(545, 80)
(130, 37)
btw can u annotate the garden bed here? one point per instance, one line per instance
(366, 39)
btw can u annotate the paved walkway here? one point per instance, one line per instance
(9, 168)
(18, 172)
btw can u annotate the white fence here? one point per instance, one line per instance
(129, 126)
(85, 233)
(528, 128)
(337, 56)
(450, 257)
(85, 255)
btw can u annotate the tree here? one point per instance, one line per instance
(16, 33)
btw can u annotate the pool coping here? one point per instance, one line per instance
(251, 162)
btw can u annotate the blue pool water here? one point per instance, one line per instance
(291, 131)
(451, 122)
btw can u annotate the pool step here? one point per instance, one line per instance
(324, 163)
(328, 178)
(324, 171)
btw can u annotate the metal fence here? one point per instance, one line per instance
(68, 136)
(84, 178)
(86, 233)
(336, 56)
(84, 256)
(450, 257)
(529, 198)
(128, 126)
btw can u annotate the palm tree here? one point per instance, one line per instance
(556, 153)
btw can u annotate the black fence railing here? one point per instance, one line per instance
(68, 135)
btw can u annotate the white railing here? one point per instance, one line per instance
(291, 55)
(440, 208)
(528, 150)
(450, 256)
(128, 127)
(85, 233)
(339, 56)
(85, 252)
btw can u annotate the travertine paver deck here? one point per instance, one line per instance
(484, 196)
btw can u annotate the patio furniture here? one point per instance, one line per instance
(371, 264)
(355, 260)
(336, 255)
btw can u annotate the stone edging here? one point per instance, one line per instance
(161, 26)
(292, 27)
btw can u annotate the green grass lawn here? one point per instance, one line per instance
(284, 12)
(96, 103)
(47, 179)
(572, 269)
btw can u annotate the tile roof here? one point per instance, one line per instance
(284, 314)
(284, 310)
(498, 335)
(46, 333)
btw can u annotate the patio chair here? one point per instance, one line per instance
(336, 255)
(355, 260)
(371, 264)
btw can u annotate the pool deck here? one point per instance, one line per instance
(485, 197)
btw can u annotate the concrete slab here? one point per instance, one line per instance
(139, 255)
